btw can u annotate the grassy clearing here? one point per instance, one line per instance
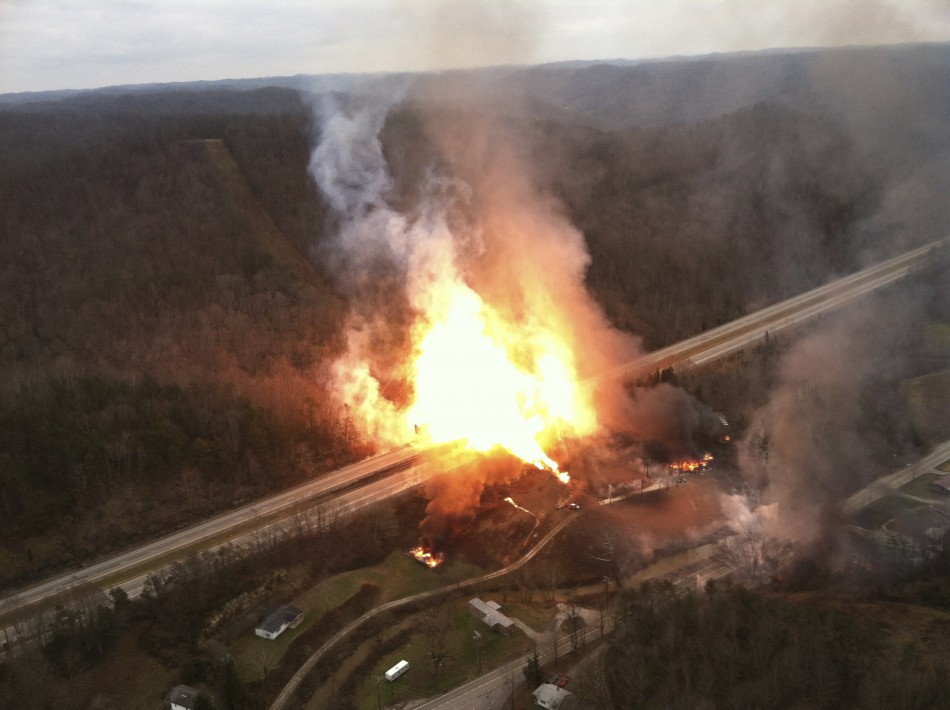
(883, 509)
(918, 487)
(536, 616)
(128, 677)
(397, 576)
(251, 652)
(422, 680)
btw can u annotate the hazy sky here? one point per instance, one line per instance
(58, 44)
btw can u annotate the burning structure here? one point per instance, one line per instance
(427, 557)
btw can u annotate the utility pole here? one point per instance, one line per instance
(478, 649)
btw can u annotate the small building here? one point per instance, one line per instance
(397, 670)
(490, 613)
(182, 697)
(279, 620)
(552, 697)
(940, 485)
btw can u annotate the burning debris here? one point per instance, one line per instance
(427, 557)
(692, 465)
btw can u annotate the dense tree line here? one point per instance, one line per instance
(730, 647)
(688, 226)
(149, 343)
(89, 463)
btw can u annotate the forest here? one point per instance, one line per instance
(731, 647)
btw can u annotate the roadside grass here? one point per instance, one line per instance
(461, 665)
(883, 509)
(918, 487)
(945, 466)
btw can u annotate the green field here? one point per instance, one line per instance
(461, 664)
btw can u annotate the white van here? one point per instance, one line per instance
(397, 670)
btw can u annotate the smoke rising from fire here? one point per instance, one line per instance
(469, 317)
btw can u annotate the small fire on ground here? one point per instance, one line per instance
(691, 465)
(427, 557)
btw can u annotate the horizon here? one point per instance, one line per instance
(487, 67)
(58, 45)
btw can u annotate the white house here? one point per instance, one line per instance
(279, 620)
(490, 613)
(182, 697)
(550, 696)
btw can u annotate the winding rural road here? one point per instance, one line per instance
(410, 467)
(302, 672)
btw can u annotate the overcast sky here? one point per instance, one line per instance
(60, 44)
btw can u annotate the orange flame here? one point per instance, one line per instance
(427, 557)
(690, 465)
(491, 383)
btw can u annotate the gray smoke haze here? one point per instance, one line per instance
(835, 419)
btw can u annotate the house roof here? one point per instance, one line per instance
(183, 695)
(550, 696)
(490, 613)
(279, 618)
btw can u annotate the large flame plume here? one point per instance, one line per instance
(490, 383)
(493, 287)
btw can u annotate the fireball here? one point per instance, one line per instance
(494, 384)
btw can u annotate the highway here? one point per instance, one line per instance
(135, 564)
(887, 484)
(246, 524)
(738, 334)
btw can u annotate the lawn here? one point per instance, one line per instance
(882, 510)
(536, 616)
(397, 576)
(461, 665)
